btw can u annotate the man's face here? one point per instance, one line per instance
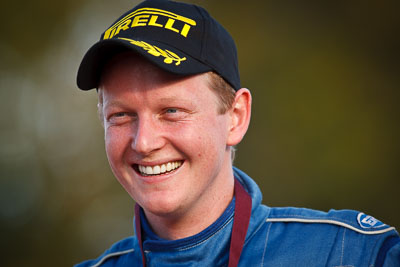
(165, 140)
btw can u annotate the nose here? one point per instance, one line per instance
(147, 137)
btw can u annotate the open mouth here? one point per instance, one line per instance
(158, 169)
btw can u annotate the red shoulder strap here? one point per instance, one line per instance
(241, 222)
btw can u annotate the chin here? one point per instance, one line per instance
(162, 207)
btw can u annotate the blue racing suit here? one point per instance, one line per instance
(275, 237)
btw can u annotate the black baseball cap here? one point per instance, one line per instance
(180, 38)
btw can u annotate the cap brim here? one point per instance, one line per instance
(167, 58)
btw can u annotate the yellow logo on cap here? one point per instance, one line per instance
(156, 51)
(149, 17)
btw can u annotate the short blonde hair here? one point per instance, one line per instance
(226, 94)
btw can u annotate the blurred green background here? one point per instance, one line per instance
(324, 134)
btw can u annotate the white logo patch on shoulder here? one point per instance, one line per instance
(366, 221)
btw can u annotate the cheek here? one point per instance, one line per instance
(115, 144)
(203, 139)
(216, 130)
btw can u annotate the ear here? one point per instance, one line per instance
(240, 117)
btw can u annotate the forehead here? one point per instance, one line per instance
(129, 63)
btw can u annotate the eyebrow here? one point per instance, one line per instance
(174, 99)
(113, 103)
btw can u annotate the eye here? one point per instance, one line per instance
(171, 110)
(175, 114)
(120, 117)
(119, 114)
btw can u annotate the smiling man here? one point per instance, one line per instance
(173, 109)
(160, 146)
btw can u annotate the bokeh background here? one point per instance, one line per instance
(324, 134)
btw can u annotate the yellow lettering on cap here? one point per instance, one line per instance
(140, 20)
(109, 33)
(153, 21)
(124, 26)
(169, 25)
(185, 30)
(149, 17)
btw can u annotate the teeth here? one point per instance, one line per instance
(159, 169)
(156, 169)
(163, 168)
(169, 166)
(149, 170)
